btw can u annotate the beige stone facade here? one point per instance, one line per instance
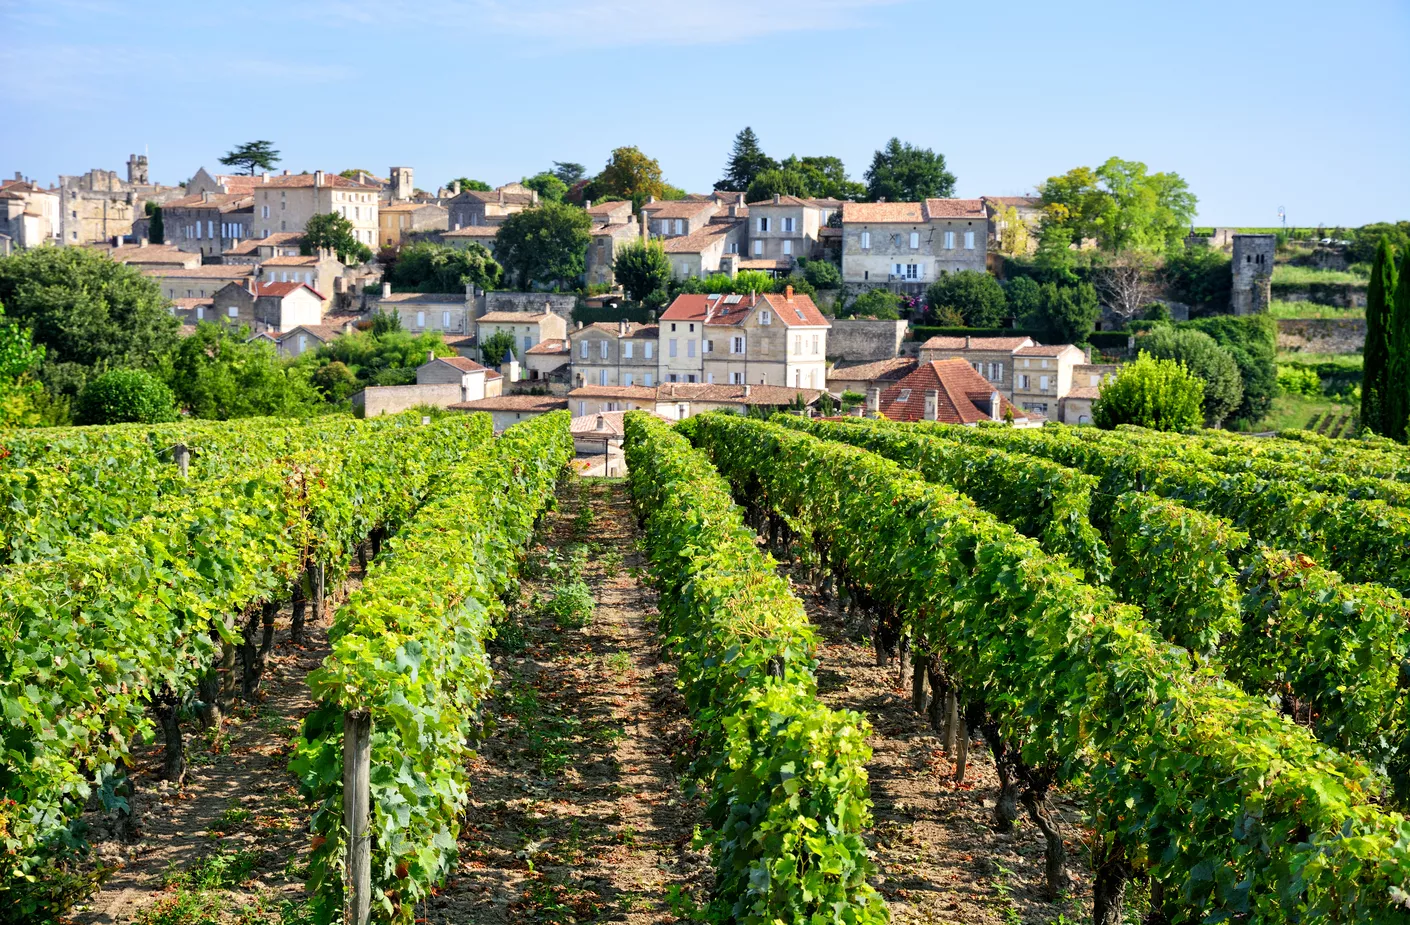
(99, 205)
(784, 229)
(207, 223)
(909, 245)
(607, 354)
(444, 312)
(285, 203)
(776, 339)
(528, 328)
(477, 207)
(199, 282)
(399, 219)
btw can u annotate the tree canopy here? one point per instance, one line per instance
(88, 313)
(388, 358)
(902, 173)
(1395, 414)
(881, 304)
(1202, 356)
(570, 173)
(334, 232)
(469, 185)
(20, 393)
(495, 346)
(429, 267)
(746, 161)
(1120, 204)
(548, 185)
(1380, 296)
(1252, 340)
(126, 396)
(545, 245)
(644, 272)
(632, 175)
(977, 296)
(250, 155)
(1158, 394)
(218, 373)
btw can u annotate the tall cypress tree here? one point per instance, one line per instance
(1397, 387)
(1376, 357)
(746, 161)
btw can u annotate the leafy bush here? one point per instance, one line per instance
(1198, 352)
(976, 295)
(1252, 340)
(1200, 276)
(823, 274)
(881, 304)
(428, 267)
(126, 396)
(1159, 394)
(1299, 380)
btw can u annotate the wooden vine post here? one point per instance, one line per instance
(181, 454)
(357, 762)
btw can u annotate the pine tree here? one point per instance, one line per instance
(1380, 290)
(1397, 383)
(746, 162)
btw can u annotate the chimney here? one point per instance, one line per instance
(622, 328)
(579, 326)
(501, 194)
(455, 188)
(117, 240)
(734, 211)
(968, 341)
(587, 203)
(740, 200)
(386, 290)
(317, 179)
(932, 404)
(777, 198)
(601, 423)
(286, 171)
(995, 411)
(650, 199)
(788, 293)
(264, 176)
(142, 242)
(746, 390)
(205, 196)
(873, 399)
(18, 176)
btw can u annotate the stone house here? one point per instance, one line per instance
(305, 337)
(147, 256)
(613, 228)
(782, 229)
(475, 381)
(863, 376)
(715, 248)
(549, 361)
(286, 203)
(677, 218)
(199, 282)
(909, 245)
(507, 410)
(258, 250)
(762, 339)
(29, 214)
(396, 220)
(528, 328)
(1088, 379)
(1043, 376)
(445, 312)
(942, 390)
(1029, 210)
(991, 357)
(478, 207)
(609, 211)
(466, 235)
(596, 399)
(320, 272)
(208, 223)
(99, 205)
(281, 307)
(608, 354)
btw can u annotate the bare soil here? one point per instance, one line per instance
(941, 859)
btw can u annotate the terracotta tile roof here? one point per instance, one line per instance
(298, 180)
(1044, 350)
(828, 203)
(278, 239)
(799, 312)
(607, 207)
(511, 197)
(882, 370)
(689, 307)
(882, 212)
(1083, 391)
(6, 194)
(679, 208)
(213, 271)
(537, 404)
(1021, 202)
(238, 183)
(587, 425)
(152, 253)
(299, 261)
(783, 201)
(464, 364)
(1009, 344)
(280, 290)
(777, 395)
(513, 317)
(615, 230)
(466, 341)
(782, 263)
(637, 392)
(698, 240)
(958, 388)
(224, 202)
(472, 231)
(323, 332)
(955, 208)
(404, 206)
(635, 329)
(551, 347)
(190, 304)
(425, 298)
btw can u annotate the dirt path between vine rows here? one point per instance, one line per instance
(941, 860)
(577, 813)
(238, 824)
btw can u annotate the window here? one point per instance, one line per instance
(648, 380)
(626, 379)
(528, 342)
(897, 270)
(1096, 380)
(303, 342)
(736, 345)
(709, 378)
(1023, 382)
(766, 317)
(445, 321)
(200, 313)
(734, 247)
(198, 231)
(736, 378)
(690, 347)
(996, 371)
(649, 347)
(758, 248)
(798, 344)
(210, 228)
(788, 224)
(815, 345)
(978, 367)
(626, 350)
(915, 240)
(949, 240)
(1043, 383)
(690, 377)
(905, 396)
(281, 226)
(264, 211)
(665, 227)
(602, 349)
(707, 346)
(671, 351)
(969, 240)
(912, 271)
(233, 312)
(787, 247)
(582, 408)
(420, 319)
(602, 377)
(584, 349)
(680, 226)
(866, 240)
(763, 223)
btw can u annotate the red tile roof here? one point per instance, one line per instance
(472, 231)
(1044, 350)
(637, 392)
(299, 261)
(635, 329)
(977, 343)
(225, 202)
(536, 404)
(152, 253)
(958, 389)
(699, 239)
(306, 179)
(607, 207)
(882, 370)
(1084, 391)
(550, 347)
(278, 239)
(734, 309)
(882, 212)
(464, 364)
(323, 332)
(680, 208)
(513, 317)
(783, 201)
(777, 395)
(955, 208)
(280, 290)
(211, 271)
(800, 311)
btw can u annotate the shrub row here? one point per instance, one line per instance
(787, 779)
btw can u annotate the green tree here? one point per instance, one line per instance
(219, 374)
(549, 187)
(156, 229)
(570, 173)
(250, 155)
(122, 396)
(1252, 340)
(1159, 394)
(827, 177)
(1122, 205)
(493, 349)
(546, 245)
(1198, 275)
(87, 312)
(1396, 413)
(20, 394)
(334, 232)
(629, 174)
(777, 181)
(1069, 313)
(1055, 258)
(468, 185)
(1223, 385)
(352, 172)
(385, 358)
(823, 274)
(881, 304)
(429, 267)
(1375, 382)
(643, 270)
(1025, 301)
(746, 161)
(976, 295)
(335, 381)
(902, 173)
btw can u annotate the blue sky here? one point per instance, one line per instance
(1258, 104)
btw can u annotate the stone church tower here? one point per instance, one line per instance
(1253, 273)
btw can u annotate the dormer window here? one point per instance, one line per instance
(905, 395)
(766, 317)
